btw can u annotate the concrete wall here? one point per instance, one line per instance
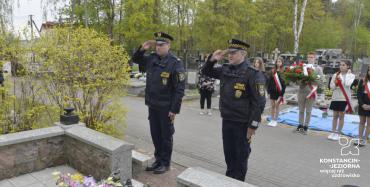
(88, 151)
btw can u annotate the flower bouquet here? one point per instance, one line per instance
(78, 180)
(300, 74)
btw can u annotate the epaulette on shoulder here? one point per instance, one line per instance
(175, 58)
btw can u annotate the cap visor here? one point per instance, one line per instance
(231, 50)
(160, 42)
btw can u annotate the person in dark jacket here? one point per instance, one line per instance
(363, 96)
(258, 64)
(276, 89)
(206, 89)
(241, 90)
(165, 85)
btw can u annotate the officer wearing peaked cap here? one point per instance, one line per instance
(241, 94)
(165, 85)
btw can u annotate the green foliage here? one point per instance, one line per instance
(21, 110)
(25, 110)
(324, 33)
(215, 23)
(137, 24)
(86, 72)
(208, 24)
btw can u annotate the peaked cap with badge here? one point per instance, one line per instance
(235, 45)
(162, 37)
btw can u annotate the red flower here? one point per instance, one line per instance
(309, 71)
(298, 71)
(287, 69)
(300, 64)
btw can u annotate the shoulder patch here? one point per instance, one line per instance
(260, 87)
(181, 76)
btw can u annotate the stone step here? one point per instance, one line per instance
(139, 162)
(136, 183)
(200, 177)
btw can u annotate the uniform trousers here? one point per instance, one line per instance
(161, 130)
(236, 148)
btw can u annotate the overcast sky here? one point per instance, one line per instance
(29, 7)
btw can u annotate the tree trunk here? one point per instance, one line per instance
(112, 19)
(295, 26)
(120, 21)
(156, 12)
(297, 31)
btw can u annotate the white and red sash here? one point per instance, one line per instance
(279, 88)
(367, 86)
(313, 92)
(348, 107)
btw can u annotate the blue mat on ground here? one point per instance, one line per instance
(290, 116)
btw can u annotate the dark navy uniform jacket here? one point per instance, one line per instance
(165, 81)
(242, 91)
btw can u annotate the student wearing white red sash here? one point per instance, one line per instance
(341, 100)
(307, 94)
(276, 89)
(363, 96)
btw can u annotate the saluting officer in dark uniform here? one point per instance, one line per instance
(163, 95)
(241, 94)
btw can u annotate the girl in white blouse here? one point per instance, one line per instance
(341, 99)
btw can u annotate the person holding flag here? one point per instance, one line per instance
(341, 100)
(276, 89)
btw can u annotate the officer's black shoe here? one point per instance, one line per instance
(154, 166)
(161, 169)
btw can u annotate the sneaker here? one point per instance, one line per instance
(299, 128)
(305, 130)
(202, 112)
(357, 142)
(362, 143)
(209, 112)
(271, 123)
(331, 135)
(274, 123)
(336, 137)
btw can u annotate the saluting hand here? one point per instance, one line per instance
(172, 117)
(148, 44)
(218, 55)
